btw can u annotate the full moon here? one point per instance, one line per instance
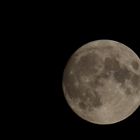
(101, 82)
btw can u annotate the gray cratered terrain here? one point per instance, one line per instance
(101, 82)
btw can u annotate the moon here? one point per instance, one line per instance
(101, 82)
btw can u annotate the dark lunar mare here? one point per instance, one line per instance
(121, 73)
(87, 67)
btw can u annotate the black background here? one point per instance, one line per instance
(39, 40)
(65, 28)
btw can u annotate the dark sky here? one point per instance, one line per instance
(70, 29)
(39, 40)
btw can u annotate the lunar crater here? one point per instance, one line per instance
(135, 65)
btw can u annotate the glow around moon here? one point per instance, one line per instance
(101, 82)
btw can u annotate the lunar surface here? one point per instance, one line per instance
(101, 82)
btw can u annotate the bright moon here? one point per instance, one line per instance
(101, 82)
